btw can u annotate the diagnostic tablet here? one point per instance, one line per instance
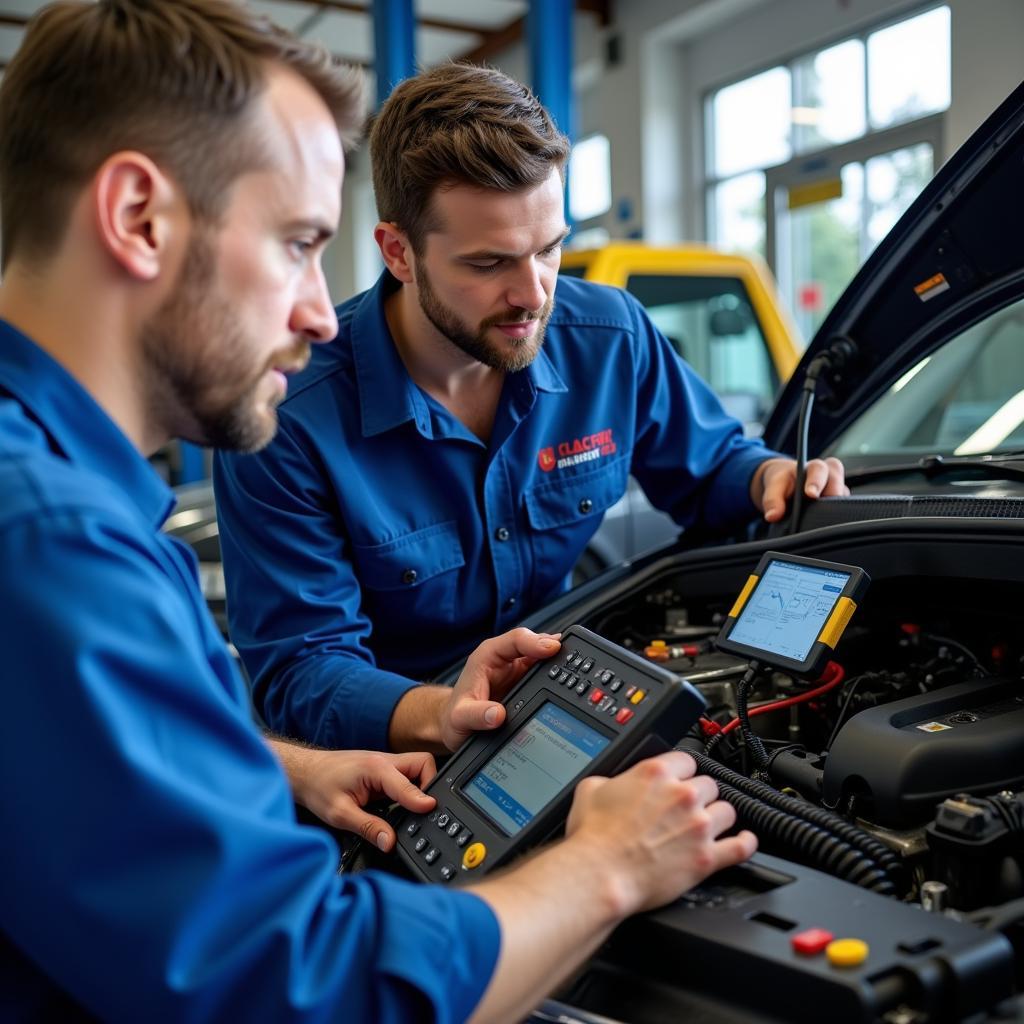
(792, 612)
(594, 708)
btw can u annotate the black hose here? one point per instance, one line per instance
(819, 848)
(839, 352)
(859, 841)
(802, 433)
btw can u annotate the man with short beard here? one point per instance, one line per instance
(445, 460)
(169, 176)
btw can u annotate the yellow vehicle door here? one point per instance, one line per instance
(719, 310)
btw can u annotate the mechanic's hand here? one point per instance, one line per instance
(775, 481)
(490, 672)
(656, 827)
(337, 784)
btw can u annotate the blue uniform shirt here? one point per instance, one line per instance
(153, 868)
(378, 539)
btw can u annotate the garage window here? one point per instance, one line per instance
(810, 163)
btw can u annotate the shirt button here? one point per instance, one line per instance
(502, 533)
(410, 576)
(586, 505)
(510, 603)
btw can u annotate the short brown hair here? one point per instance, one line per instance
(458, 124)
(175, 79)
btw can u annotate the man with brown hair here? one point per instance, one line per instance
(443, 463)
(169, 175)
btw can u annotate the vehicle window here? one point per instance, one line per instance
(966, 398)
(572, 271)
(712, 325)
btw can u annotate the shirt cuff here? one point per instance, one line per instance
(443, 942)
(731, 488)
(362, 723)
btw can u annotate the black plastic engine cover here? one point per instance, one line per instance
(902, 759)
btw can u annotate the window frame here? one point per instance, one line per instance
(928, 128)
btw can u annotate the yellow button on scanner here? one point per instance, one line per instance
(474, 856)
(847, 952)
(638, 696)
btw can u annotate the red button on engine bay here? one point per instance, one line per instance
(812, 941)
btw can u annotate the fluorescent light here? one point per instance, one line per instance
(911, 374)
(996, 429)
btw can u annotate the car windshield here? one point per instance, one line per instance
(966, 398)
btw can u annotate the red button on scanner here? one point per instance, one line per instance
(812, 941)
(596, 696)
(623, 716)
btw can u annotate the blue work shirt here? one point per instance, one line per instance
(377, 539)
(153, 869)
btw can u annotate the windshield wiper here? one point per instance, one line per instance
(1004, 466)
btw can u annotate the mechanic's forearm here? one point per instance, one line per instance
(416, 721)
(554, 911)
(299, 764)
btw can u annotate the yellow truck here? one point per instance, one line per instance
(720, 310)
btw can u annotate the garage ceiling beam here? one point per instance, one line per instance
(513, 32)
(601, 9)
(426, 22)
(496, 41)
(492, 40)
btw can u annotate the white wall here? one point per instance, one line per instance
(674, 51)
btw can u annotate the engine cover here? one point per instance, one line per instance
(902, 759)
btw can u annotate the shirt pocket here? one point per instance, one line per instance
(565, 513)
(413, 575)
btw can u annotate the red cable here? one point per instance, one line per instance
(833, 668)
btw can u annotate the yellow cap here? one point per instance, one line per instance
(474, 856)
(657, 643)
(847, 952)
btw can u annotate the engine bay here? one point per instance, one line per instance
(916, 736)
(890, 802)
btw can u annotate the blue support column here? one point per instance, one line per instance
(550, 38)
(394, 43)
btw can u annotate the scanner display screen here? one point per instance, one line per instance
(533, 767)
(787, 609)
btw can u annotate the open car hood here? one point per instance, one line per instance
(955, 256)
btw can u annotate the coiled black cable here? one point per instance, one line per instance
(819, 847)
(858, 841)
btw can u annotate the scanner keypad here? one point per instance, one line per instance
(457, 840)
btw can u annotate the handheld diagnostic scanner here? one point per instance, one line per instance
(593, 709)
(792, 612)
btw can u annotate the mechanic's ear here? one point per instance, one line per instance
(396, 250)
(137, 209)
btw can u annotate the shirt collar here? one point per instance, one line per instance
(388, 396)
(76, 425)
(543, 375)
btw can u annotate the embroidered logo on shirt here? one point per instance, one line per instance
(580, 449)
